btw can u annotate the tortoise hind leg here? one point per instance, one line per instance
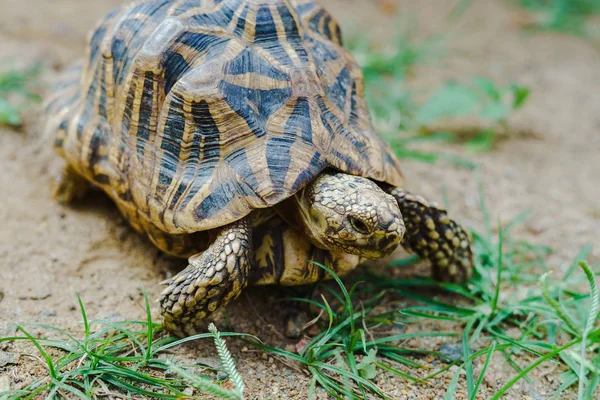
(210, 281)
(434, 236)
(70, 186)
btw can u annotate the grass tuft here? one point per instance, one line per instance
(128, 357)
(568, 16)
(357, 340)
(16, 93)
(404, 121)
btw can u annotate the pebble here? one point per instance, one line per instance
(294, 324)
(48, 314)
(451, 352)
(8, 358)
(211, 362)
(11, 330)
(290, 348)
(222, 376)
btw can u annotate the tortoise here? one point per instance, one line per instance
(235, 133)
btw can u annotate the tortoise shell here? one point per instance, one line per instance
(192, 113)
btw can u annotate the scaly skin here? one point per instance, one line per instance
(432, 235)
(211, 280)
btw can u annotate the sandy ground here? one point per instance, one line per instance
(49, 252)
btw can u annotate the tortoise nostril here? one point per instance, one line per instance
(359, 224)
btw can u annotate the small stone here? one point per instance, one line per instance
(170, 374)
(301, 345)
(8, 358)
(451, 352)
(290, 348)
(221, 376)
(211, 362)
(11, 330)
(294, 325)
(48, 314)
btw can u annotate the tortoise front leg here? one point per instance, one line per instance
(434, 236)
(210, 281)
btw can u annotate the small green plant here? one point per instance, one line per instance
(482, 98)
(583, 365)
(386, 71)
(399, 58)
(569, 16)
(126, 357)
(403, 121)
(15, 92)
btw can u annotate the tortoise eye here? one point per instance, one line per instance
(359, 225)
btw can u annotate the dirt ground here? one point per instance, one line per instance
(49, 252)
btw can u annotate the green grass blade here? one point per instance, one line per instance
(84, 316)
(451, 389)
(499, 273)
(47, 358)
(531, 366)
(348, 300)
(589, 325)
(557, 307)
(486, 364)
(468, 366)
(149, 337)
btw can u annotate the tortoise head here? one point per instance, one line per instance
(351, 214)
